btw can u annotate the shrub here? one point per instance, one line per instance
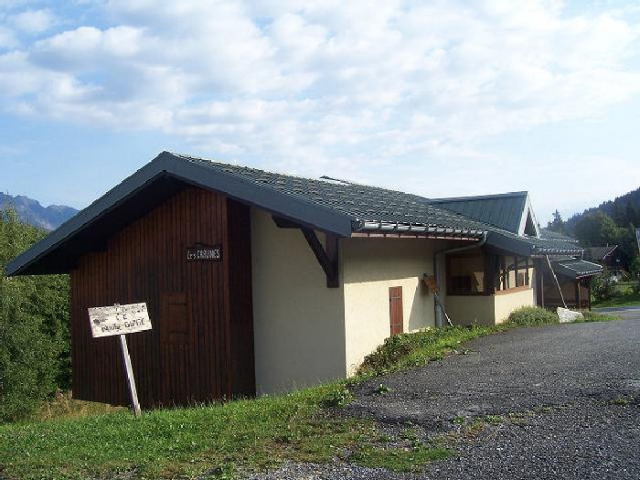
(28, 356)
(603, 287)
(34, 332)
(532, 316)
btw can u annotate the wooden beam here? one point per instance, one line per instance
(328, 259)
(578, 295)
(284, 222)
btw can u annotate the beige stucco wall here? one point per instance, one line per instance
(369, 267)
(508, 302)
(470, 309)
(298, 322)
(487, 310)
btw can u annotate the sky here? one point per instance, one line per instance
(437, 98)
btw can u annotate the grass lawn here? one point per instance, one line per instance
(80, 440)
(623, 296)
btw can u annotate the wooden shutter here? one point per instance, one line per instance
(395, 310)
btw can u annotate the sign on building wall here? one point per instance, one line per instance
(119, 319)
(204, 253)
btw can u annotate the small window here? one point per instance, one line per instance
(466, 275)
(514, 272)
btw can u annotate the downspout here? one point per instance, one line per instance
(439, 312)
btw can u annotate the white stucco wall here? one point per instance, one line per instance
(508, 302)
(471, 309)
(369, 267)
(299, 329)
(489, 309)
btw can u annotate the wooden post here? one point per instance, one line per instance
(578, 294)
(555, 279)
(130, 379)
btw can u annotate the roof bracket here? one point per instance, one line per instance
(327, 257)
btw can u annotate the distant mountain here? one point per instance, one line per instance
(30, 211)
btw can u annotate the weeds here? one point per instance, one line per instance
(415, 349)
(532, 316)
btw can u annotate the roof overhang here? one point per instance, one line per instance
(577, 269)
(530, 247)
(151, 185)
(372, 228)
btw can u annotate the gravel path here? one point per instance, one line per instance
(586, 376)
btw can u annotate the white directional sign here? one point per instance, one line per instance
(119, 319)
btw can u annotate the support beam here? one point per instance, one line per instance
(555, 279)
(328, 259)
(578, 294)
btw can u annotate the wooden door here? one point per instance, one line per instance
(177, 349)
(395, 310)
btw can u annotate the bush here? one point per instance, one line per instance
(34, 331)
(28, 356)
(603, 287)
(532, 316)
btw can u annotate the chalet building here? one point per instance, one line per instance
(308, 277)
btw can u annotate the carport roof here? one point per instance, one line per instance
(576, 268)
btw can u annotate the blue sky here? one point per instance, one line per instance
(438, 98)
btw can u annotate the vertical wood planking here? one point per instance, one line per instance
(146, 262)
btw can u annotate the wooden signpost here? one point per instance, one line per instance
(121, 320)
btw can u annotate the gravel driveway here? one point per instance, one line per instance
(569, 397)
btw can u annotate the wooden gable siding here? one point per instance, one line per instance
(188, 356)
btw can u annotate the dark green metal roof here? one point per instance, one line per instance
(530, 246)
(599, 253)
(337, 207)
(550, 235)
(369, 208)
(332, 206)
(576, 268)
(504, 211)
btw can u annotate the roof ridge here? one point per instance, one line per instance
(479, 197)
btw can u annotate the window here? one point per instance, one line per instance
(514, 272)
(466, 275)
(470, 274)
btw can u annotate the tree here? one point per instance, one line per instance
(34, 332)
(597, 229)
(557, 225)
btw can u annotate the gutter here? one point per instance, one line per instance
(436, 272)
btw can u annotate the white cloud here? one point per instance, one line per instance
(33, 21)
(319, 85)
(7, 38)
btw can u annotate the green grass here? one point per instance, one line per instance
(596, 317)
(414, 349)
(83, 440)
(623, 296)
(407, 459)
(251, 434)
(629, 299)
